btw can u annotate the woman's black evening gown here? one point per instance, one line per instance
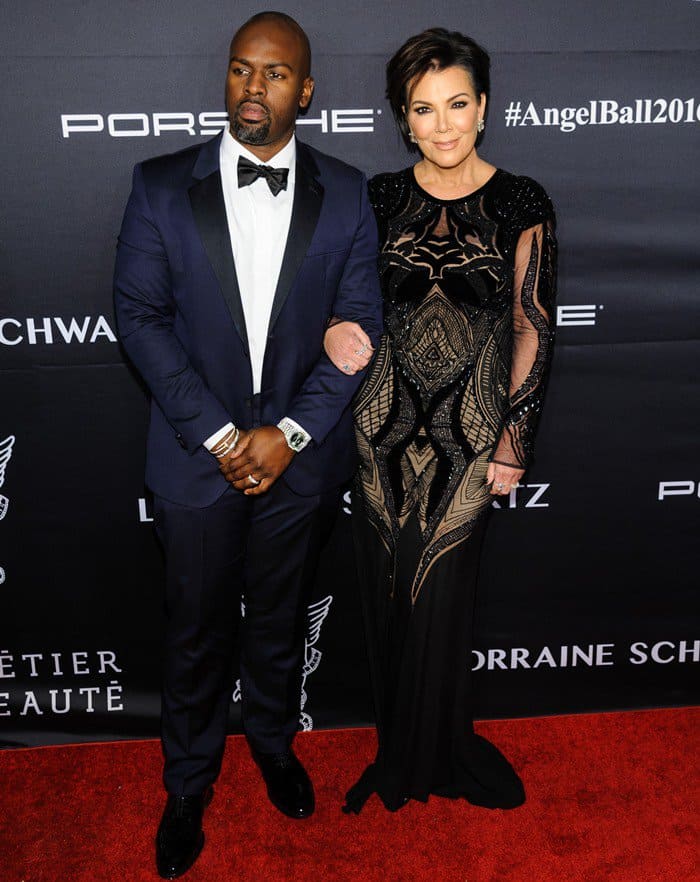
(458, 380)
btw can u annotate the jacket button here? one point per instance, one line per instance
(181, 441)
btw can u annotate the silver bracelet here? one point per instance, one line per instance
(230, 445)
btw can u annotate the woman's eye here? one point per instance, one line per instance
(422, 110)
(459, 104)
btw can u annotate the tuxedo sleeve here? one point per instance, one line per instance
(327, 392)
(145, 311)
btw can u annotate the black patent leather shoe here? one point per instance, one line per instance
(288, 786)
(180, 836)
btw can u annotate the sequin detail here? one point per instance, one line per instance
(460, 375)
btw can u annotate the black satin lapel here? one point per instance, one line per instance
(308, 197)
(209, 210)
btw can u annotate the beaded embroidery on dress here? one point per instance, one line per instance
(468, 287)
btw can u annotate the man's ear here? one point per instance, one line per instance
(307, 91)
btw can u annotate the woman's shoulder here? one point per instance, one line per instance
(386, 190)
(522, 200)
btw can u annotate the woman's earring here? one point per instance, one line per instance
(412, 137)
(480, 126)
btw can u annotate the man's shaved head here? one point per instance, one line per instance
(268, 82)
(281, 19)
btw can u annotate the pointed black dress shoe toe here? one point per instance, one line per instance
(180, 836)
(288, 786)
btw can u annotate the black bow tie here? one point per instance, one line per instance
(249, 171)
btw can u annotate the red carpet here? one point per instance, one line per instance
(611, 798)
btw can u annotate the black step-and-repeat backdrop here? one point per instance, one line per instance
(590, 577)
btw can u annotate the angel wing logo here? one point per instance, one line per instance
(317, 614)
(5, 456)
(315, 617)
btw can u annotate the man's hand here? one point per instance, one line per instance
(502, 478)
(262, 454)
(348, 347)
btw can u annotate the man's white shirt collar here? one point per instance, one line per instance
(284, 158)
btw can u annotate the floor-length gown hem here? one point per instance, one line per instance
(510, 797)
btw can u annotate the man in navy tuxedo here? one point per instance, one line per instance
(234, 258)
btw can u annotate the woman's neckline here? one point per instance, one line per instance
(412, 174)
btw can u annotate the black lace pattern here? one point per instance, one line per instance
(459, 377)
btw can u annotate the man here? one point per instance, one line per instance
(233, 257)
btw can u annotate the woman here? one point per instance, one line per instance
(446, 417)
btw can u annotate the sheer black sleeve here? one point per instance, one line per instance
(534, 288)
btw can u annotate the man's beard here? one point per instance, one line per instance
(250, 133)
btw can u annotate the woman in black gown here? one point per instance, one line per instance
(445, 418)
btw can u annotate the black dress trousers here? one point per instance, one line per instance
(264, 550)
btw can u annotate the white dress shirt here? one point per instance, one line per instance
(258, 224)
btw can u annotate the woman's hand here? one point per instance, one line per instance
(348, 347)
(502, 478)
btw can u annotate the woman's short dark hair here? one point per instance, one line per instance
(434, 49)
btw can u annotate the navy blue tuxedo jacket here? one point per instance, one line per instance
(181, 320)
